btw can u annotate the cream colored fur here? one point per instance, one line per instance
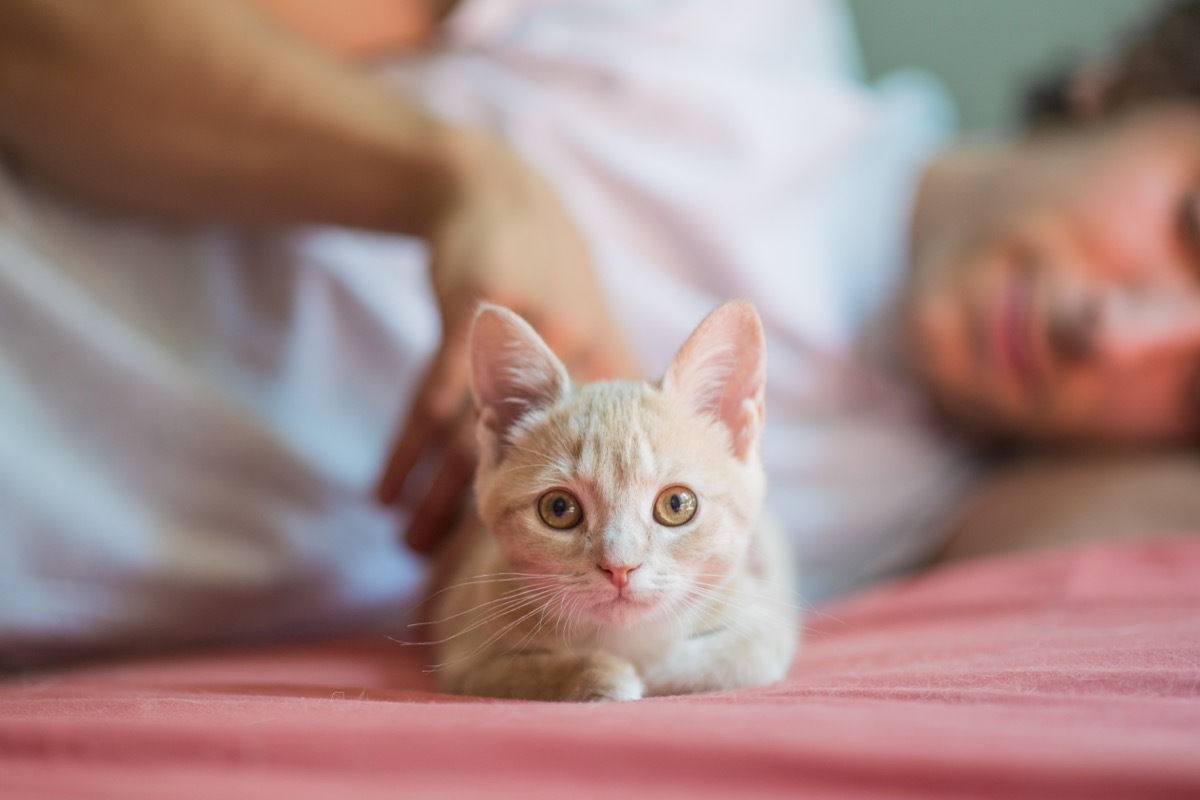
(531, 612)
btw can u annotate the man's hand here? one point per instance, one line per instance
(506, 239)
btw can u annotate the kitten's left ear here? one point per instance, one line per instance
(721, 370)
(513, 372)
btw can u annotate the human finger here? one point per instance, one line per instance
(435, 514)
(435, 411)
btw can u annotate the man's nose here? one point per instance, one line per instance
(1135, 327)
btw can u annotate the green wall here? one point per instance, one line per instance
(986, 51)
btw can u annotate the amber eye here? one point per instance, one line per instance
(560, 509)
(675, 505)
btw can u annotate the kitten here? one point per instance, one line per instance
(622, 552)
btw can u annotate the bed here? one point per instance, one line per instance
(1074, 672)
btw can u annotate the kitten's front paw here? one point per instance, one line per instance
(599, 677)
(573, 677)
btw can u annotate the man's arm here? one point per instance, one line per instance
(205, 109)
(1060, 499)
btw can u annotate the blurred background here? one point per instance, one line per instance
(987, 51)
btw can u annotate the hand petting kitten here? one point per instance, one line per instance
(505, 237)
(620, 549)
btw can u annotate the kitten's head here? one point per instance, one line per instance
(637, 496)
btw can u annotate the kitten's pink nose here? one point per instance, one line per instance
(618, 574)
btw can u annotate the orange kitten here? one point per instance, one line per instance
(622, 552)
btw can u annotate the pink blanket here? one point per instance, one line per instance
(1069, 674)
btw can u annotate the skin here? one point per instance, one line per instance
(1054, 293)
(94, 102)
(203, 110)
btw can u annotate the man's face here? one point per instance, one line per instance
(1061, 301)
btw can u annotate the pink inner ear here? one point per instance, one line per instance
(513, 372)
(721, 371)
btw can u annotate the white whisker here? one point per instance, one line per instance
(503, 607)
(507, 593)
(485, 578)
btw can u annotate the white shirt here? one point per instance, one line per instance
(192, 419)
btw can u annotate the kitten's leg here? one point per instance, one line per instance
(549, 675)
(736, 652)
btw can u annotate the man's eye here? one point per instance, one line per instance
(1191, 397)
(1189, 226)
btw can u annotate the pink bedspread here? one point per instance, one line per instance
(1070, 674)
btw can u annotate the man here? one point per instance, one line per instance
(197, 412)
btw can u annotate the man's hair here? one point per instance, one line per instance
(1158, 62)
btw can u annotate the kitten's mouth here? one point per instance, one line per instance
(622, 608)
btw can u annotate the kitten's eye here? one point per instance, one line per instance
(560, 509)
(675, 505)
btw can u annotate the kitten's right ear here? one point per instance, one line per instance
(513, 372)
